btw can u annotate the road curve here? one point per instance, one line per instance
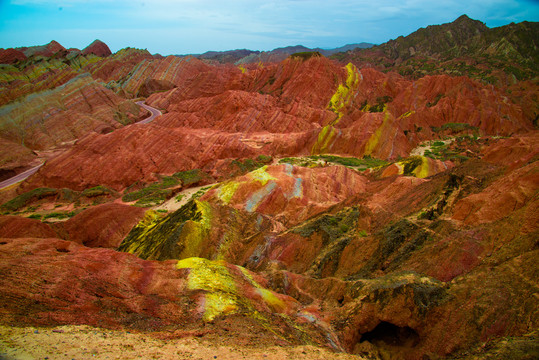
(155, 112)
(20, 177)
(17, 178)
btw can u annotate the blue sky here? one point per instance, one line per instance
(195, 26)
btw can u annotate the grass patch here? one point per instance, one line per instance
(191, 177)
(198, 194)
(240, 167)
(97, 191)
(352, 162)
(365, 162)
(454, 127)
(58, 215)
(158, 192)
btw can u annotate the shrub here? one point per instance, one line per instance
(58, 215)
(306, 55)
(264, 158)
(97, 191)
(24, 199)
(190, 177)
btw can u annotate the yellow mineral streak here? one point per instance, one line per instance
(422, 171)
(374, 140)
(214, 278)
(261, 175)
(227, 191)
(194, 233)
(223, 295)
(340, 101)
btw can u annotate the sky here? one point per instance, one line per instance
(195, 26)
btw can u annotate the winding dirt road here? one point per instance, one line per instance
(155, 112)
(20, 177)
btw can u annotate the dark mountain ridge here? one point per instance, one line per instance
(464, 47)
(246, 56)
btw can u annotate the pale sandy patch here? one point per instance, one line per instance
(86, 342)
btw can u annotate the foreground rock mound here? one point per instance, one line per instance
(102, 287)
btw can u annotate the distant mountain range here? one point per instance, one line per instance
(462, 47)
(244, 56)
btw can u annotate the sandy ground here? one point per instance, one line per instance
(420, 149)
(172, 204)
(86, 342)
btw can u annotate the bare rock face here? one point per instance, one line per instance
(98, 48)
(151, 86)
(113, 68)
(293, 194)
(15, 157)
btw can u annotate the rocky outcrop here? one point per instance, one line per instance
(115, 68)
(457, 49)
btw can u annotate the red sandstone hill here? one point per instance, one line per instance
(10, 56)
(44, 50)
(296, 107)
(97, 47)
(52, 118)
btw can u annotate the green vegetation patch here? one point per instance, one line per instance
(454, 127)
(158, 192)
(435, 100)
(365, 162)
(452, 151)
(379, 106)
(243, 166)
(410, 164)
(54, 195)
(59, 215)
(191, 177)
(352, 162)
(24, 199)
(98, 191)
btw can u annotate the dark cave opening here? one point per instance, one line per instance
(386, 333)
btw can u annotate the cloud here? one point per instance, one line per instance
(216, 24)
